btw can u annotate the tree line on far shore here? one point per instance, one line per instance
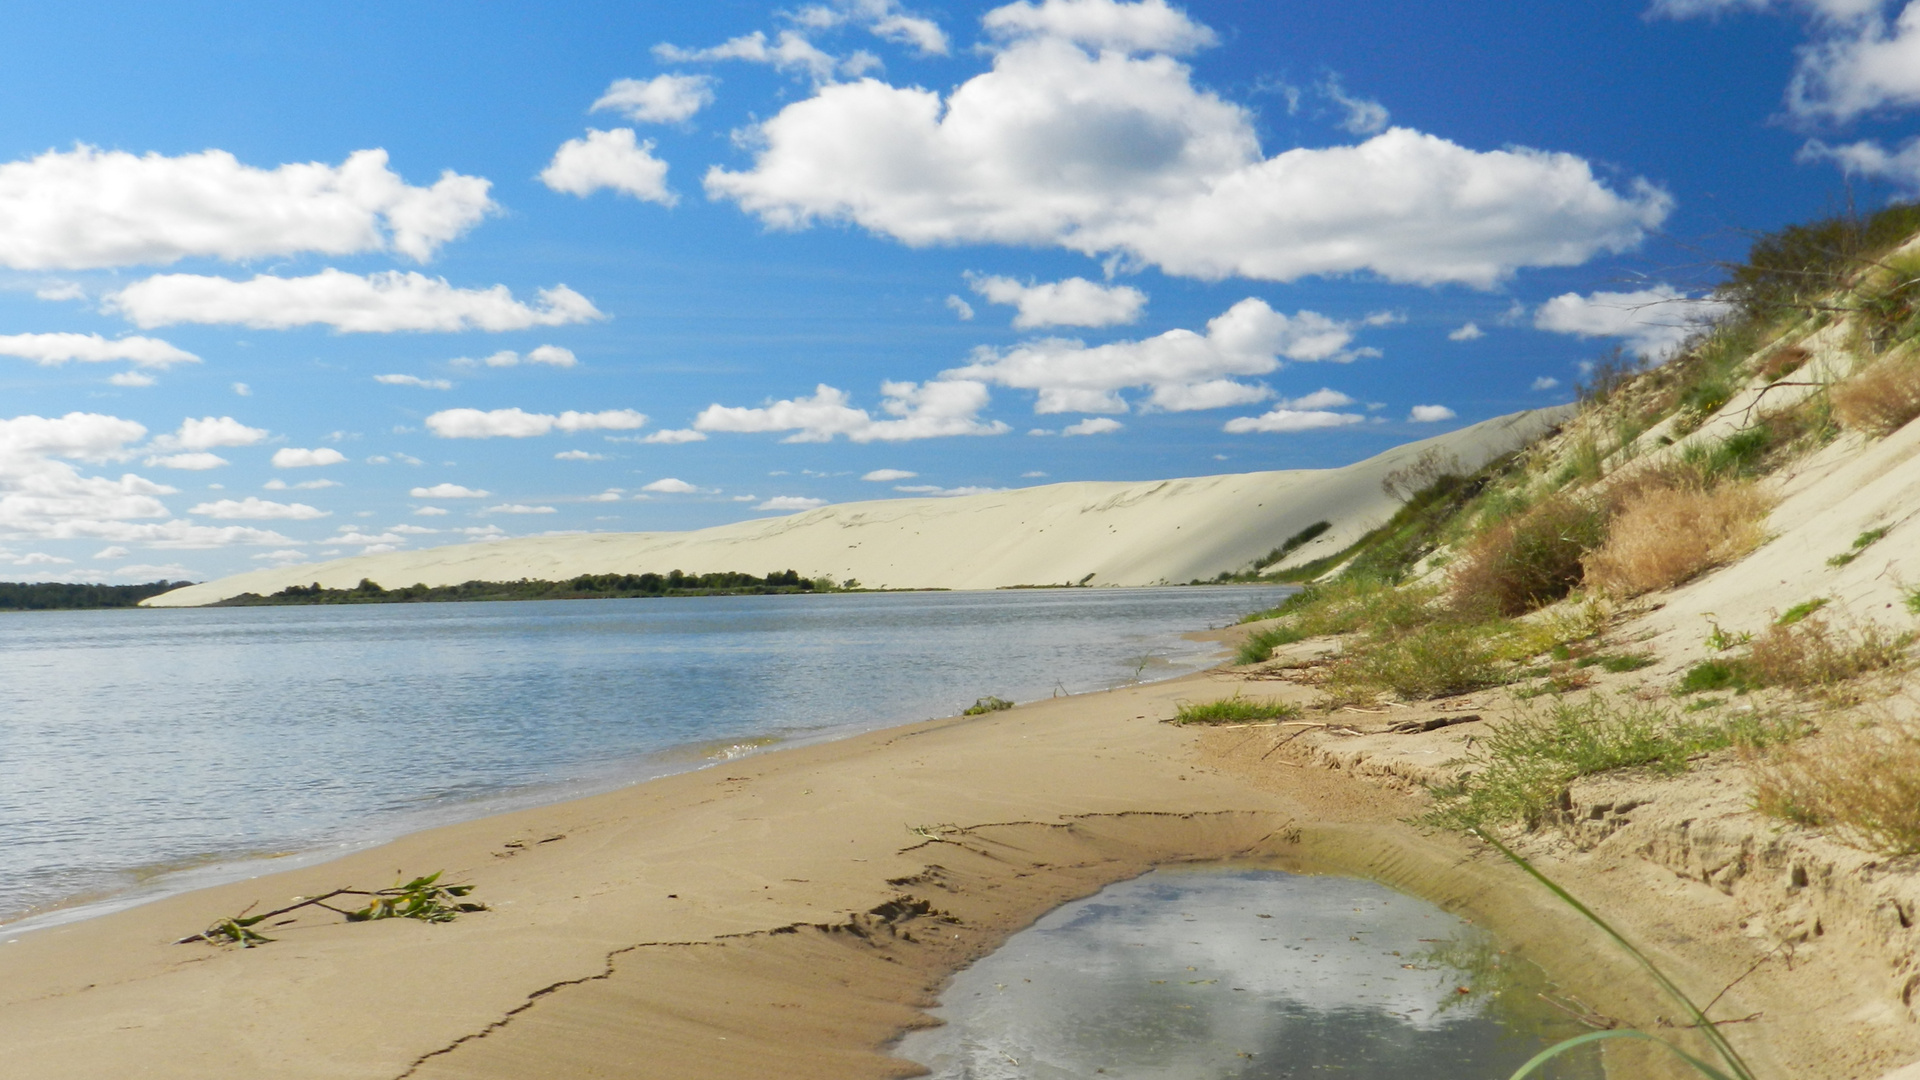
(582, 587)
(54, 595)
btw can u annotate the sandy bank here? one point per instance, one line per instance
(1147, 533)
(773, 917)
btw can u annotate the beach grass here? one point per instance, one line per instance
(1233, 710)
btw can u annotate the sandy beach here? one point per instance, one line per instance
(783, 915)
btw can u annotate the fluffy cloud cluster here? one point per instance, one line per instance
(1088, 134)
(793, 51)
(1182, 370)
(294, 457)
(1072, 302)
(210, 432)
(1308, 413)
(52, 350)
(44, 495)
(610, 160)
(663, 99)
(88, 207)
(253, 508)
(520, 424)
(1859, 62)
(374, 303)
(550, 355)
(1652, 322)
(912, 410)
(413, 380)
(448, 491)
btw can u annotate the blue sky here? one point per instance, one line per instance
(639, 266)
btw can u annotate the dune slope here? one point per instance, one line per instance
(1097, 533)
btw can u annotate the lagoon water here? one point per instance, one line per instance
(142, 743)
(1217, 972)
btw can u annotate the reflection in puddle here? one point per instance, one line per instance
(1245, 973)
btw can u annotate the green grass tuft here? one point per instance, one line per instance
(1860, 543)
(1801, 610)
(986, 705)
(1234, 710)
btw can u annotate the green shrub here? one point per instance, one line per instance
(1528, 562)
(1716, 675)
(1233, 710)
(1432, 661)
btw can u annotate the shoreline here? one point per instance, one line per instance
(782, 917)
(195, 872)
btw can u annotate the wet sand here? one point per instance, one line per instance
(783, 915)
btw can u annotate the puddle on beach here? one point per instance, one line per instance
(1247, 973)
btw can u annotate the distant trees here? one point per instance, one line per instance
(582, 587)
(55, 595)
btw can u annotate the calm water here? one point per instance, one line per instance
(1251, 974)
(133, 742)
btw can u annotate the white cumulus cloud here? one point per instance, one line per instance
(670, 436)
(293, 457)
(448, 491)
(253, 508)
(1072, 140)
(42, 496)
(663, 99)
(88, 207)
(1072, 302)
(1182, 370)
(382, 302)
(520, 424)
(670, 486)
(1306, 413)
(1469, 332)
(1900, 166)
(1430, 414)
(911, 410)
(1652, 321)
(1544, 382)
(52, 350)
(1093, 425)
(519, 508)
(791, 502)
(789, 51)
(881, 476)
(578, 455)
(199, 461)
(413, 380)
(131, 378)
(610, 160)
(209, 432)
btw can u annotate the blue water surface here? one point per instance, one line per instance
(138, 742)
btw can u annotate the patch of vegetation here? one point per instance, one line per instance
(1435, 660)
(1738, 456)
(1804, 654)
(1259, 645)
(1860, 543)
(1234, 710)
(1862, 783)
(1617, 663)
(1792, 270)
(986, 705)
(1529, 561)
(1801, 610)
(423, 898)
(1522, 769)
(1881, 399)
(1662, 536)
(57, 595)
(1292, 544)
(583, 587)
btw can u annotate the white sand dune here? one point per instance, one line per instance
(1096, 533)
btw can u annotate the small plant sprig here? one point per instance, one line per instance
(423, 898)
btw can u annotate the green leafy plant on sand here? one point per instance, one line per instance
(986, 705)
(1731, 1065)
(1860, 543)
(1233, 710)
(423, 898)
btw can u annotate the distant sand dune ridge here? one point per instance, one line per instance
(1097, 533)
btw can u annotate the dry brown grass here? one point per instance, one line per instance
(1781, 362)
(1881, 399)
(1810, 653)
(1862, 783)
(1661, 536)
